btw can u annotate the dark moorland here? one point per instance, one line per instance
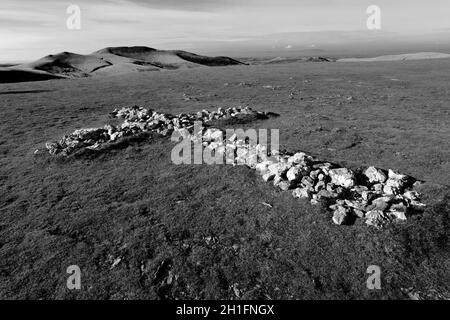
(140, 227)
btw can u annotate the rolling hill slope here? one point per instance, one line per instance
(401, 57)
(108, 61)
(12, 74)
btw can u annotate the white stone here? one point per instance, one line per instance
(262, 167)
(376, 218)
(268, 176)
(278, 168)
(294, 173)
(342, 177)
(299, 157)
(301, 193)
(341, 215)
(375, 175)
(396, 176)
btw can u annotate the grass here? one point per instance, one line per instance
(202, 232)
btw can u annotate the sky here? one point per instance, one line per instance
(30, 29)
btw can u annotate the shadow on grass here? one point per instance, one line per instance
(23, 92)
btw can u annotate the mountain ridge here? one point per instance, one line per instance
(109, 61)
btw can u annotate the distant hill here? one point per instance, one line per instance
(108, 61)
(401, 57)
(297, 59)
(165, 59)
(67, 63)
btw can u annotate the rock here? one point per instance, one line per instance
(381, 203)
(152, 125)
(52, 147)
(377, 187)
(90, 134)
(314, 174)
(262, 167)
(116, 262)
(334, 206)
(375, 175)
(335, 189)
(213, 135)
(359, 205)
(283, 185)
(341, 215)
(116, 135)
(241, 155)
(400, 207)
(396, 183)
(416, 205)
(293, 173)
(268, 176)
(396, 176)
(182, 133)
(252, 160)
(297, 158)
(367, 195)
(393, 187)
(359, 213)
(274, 152)
(377, 218)
(261, 151)
(221, 150)
(339, 191)
(399, 215)
(342, 177)
(95, 146)
(411, 195)
(417, 184)
(276, 180)
(301, 193)
(308, 182)
(296, 173)
(326, 194)
(278, 168)
(360, 189)
(322, 166)
(213, 145)
(319, 186)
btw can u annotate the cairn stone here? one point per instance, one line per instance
(283, 185)
(262, 167)
(379, 199)
(268, 176)
(375, 175)
(381, 203)
(377, 218)
(341, 215)
(296, 173)
(278, 168)
(342, 177)
(301, 193)
(308, 182)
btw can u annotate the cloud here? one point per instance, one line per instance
(152, 22)
(187, 5)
